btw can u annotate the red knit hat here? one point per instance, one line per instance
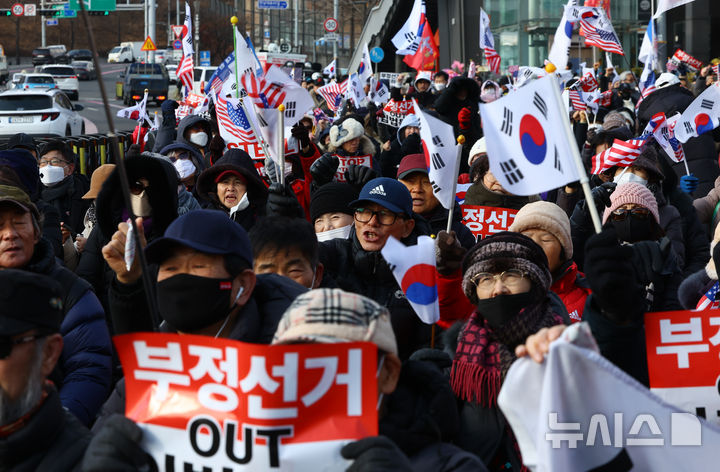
(632, 192)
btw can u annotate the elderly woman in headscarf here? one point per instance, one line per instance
(506, 277)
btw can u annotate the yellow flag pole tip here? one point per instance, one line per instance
(461, 139)
(550, 67)
(234, 20)
(281, 107)
(146, 90)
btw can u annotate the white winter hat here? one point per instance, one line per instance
(345, 131)
(422, 75)
(666, 79)
(478, 148)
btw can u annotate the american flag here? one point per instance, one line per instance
(577, 101)
(185, 69)
(333, 93)
(716, 71)
(709, 299)
(264, 93)
(493, 59)
(233, 122)
(648, 90)
(319, 115)
(606, 40)
(621, 153)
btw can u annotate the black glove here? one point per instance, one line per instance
(601, 194)
(281, 201)
(411, 145)
(612, 277)
(448, 253)
(300, 133)
(133, 151)
(358, 176)
(649, 259)
(116, 447)
(324, 168)
(375, 454)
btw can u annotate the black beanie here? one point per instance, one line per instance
(333, 197)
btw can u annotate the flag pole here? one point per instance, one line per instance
(281, 144)
(584, 182)
(258, 136)
(234, 21)
(460, 142)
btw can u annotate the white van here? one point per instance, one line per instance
(121, 54)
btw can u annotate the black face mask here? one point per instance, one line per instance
(189, 302)
(500, 309)
(633, 229)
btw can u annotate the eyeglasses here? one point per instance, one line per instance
(137, 187)
(52, 162)
(179, 155)
(7, 344)
(384, 217)
(621, 213)
(511, 278)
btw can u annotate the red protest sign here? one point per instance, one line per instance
(220, 403)
(346, 161)
(682, 56)
(394, 112)
(682, 350)
(484, 221)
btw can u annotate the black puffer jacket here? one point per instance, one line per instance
(448, 105)
(421, 417)
(110, 211)
(52, 439)
(367, 273)
(702, 159)
(438, 222)
(66, 197)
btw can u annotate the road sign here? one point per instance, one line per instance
(377, 54)
(177, 44)
(148, 45)
(68, 12)
(94, 5)
(273, 4)
(205, 58)
(330, 25)
(17, 9)
(51, 22)
(177, 31)
(285, 48)
(332, 37)
(30, 9)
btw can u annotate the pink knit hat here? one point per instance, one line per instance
(632, 192)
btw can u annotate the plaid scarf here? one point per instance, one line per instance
(484, 355)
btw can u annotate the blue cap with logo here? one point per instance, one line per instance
(208, 231)
(388, 193)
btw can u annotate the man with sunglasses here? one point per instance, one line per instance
(384, 208)
(36, 432)
(62, 188)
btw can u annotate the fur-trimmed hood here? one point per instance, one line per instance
(366, 148)
(710, 268)
(345, 131)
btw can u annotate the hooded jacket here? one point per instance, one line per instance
(83, 372)
(239, 161)
(448, 105)
(479, 194)
(367, 273)
(195, 156)
(52, 439)
(167, 135)
(400, 147)
(572, 288)
(700, 152)
(110, 211)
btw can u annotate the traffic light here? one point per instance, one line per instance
(5, 12)
(50, 13)
(99, 12)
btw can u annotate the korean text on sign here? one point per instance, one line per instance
(215, 403)
(683, 348)
(484, 221)
(394, 112)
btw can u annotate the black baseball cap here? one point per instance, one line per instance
(208, 231)
(22, 140)
(29, 301)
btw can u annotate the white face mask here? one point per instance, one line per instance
(141, 204)
(439, 86)
(184, 167)
(50, 175)
(200, 138)
(629, 177)
(337, 233)
(244, 203)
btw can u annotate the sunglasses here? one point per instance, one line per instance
(620, 214)
(7, 344)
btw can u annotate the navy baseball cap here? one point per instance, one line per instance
(388, 193)
(208, 231)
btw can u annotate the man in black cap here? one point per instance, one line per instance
(36, 432)
(87, 353)
(23, 141)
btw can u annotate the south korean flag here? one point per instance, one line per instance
(528, 139)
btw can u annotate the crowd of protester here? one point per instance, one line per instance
(205, 214)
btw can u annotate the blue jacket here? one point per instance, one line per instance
(83, 374)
